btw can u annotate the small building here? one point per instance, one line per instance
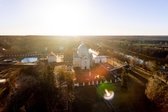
(52, 58)
(100, 59)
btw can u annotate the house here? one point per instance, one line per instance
(52, 58)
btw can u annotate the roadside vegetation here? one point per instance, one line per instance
(157, 92)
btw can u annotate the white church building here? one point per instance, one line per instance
(84, 57)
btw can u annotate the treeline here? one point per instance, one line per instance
(26, 44)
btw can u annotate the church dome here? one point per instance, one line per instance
(82, 50)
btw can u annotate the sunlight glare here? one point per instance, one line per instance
(67, 18)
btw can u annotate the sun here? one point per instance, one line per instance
(65, 18)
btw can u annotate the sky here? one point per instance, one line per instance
(83, 17)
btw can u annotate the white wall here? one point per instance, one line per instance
(52, 59)
(100, 59)
(85, 63)
(76, 62)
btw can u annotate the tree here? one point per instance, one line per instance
(36, 91)
(65, 79)
(156, 91)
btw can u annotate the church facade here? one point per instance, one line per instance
(82, 58)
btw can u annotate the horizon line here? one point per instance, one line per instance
(107, 35)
